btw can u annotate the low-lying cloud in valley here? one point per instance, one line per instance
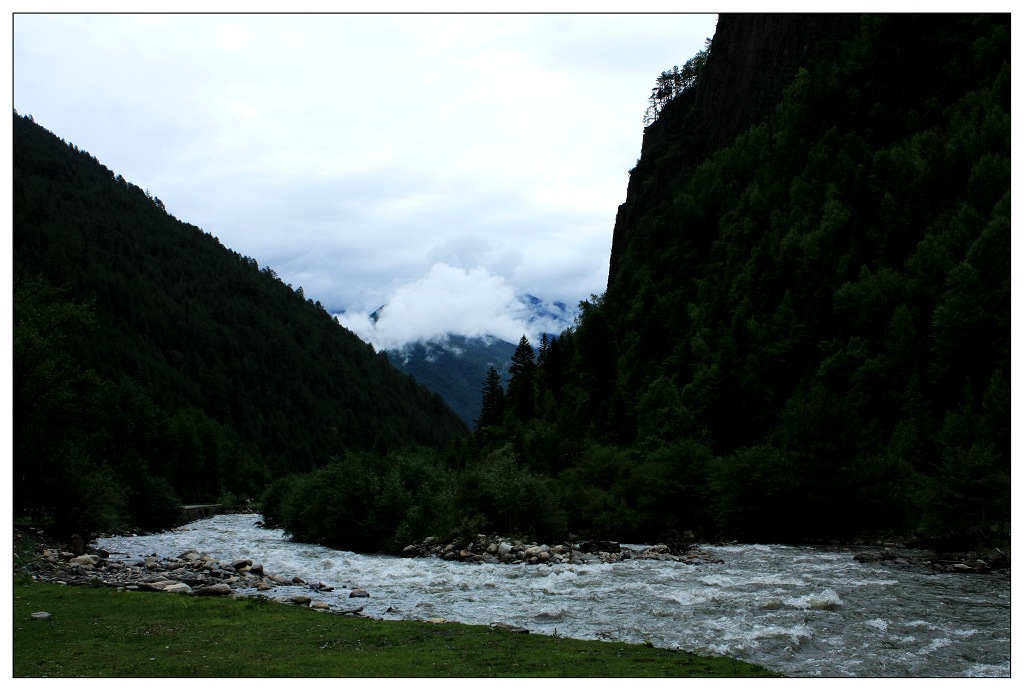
(452, 300)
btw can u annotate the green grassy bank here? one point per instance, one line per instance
(100, 632)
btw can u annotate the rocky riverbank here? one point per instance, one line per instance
(201, 574)
(948, 562)
(495, 549)
(190, 573)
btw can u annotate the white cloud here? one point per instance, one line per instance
(473, 302)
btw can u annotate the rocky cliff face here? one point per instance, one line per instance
(752, 60)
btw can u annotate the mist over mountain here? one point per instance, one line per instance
(474, 303)
(455, 365)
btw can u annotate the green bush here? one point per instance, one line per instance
(510, 498)
(365, 502)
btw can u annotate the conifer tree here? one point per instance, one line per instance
(521, 384)
(493, 407)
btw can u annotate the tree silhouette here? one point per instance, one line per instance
(523, 369)
(493, 406)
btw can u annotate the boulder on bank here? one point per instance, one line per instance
(215, 589)
(85, 560)
(303, 600)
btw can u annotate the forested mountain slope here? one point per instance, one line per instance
(151, 363)
(820, 300)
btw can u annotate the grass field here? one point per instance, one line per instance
(100, 632)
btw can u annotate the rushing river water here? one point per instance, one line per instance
(799, 610)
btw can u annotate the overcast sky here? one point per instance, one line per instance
(439, 164)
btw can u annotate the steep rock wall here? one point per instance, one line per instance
(752, 60)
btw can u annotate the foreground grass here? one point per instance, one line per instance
(99, 632)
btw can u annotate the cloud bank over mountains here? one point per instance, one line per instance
(362, 156)
(450, 300)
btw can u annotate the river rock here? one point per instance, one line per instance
(357, 610)
(304, 600)
(160, 583)
(85, 560)
(358, 592)
(215, 589)
(178, 588)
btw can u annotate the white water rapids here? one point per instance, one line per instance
(802, 611)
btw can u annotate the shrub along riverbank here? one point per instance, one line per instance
(101, 632)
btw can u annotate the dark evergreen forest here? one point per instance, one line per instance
(805, 335)
(152, 365)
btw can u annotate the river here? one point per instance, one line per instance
(803, 611)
